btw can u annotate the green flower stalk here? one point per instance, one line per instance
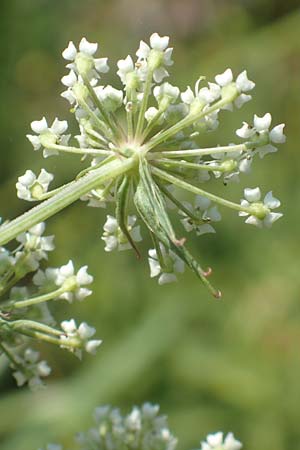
(140, 142)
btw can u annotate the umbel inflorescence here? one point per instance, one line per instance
(142, 140)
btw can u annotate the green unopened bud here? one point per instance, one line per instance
(229, 165)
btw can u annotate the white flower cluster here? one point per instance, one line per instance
(142, 428)
(162, 137)
(77, 339)
(30, 370)
(24, 311)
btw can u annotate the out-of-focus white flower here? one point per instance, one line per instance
(165, 270)
(205, 212)
(215, 442)
(31, 187)
(114, 238)
(46, 137)
(31, 370)
(262, 215)
(34, 245)
(73, 284)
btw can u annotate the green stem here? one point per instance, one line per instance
(35, 300)
(195, 190)
(32, 325)
(144, 104)
(65, 197)
(109, 122)
(189, 165)
(10, 356)
(202, 151)
(79, 151)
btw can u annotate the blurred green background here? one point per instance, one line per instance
(212, 365)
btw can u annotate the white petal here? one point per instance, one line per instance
(70, 52)
(83, 277)
(143, 50)
(34, 140)
(28, 178)
(69, 326)
(59, 126)
(91, 346)
(241, 100)
(45, 178)
(38, 126)
(265, 149)
(167, 278)
(67, 270)
(271, 218)
(202, 202)
(188, 96)
(252, 195)
(246, 131)
(271, 202)
(205, 228)
(126, 65)
(70, 79)
(231, 443)
(101, 65)
(159, 74)
(87, 47)
(111, 243)
(85, 331)
(262, 123)
(215, 439)
(224, 78)
(252, 220)
(111, 224)
(276, 134)
(159, 43)
(243, 84)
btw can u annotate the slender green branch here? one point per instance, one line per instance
(195, 190)
(79, 151)
(188, 165)
(34, 300)
(201, 151)
(144, 104)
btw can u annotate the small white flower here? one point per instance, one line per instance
(110, 97)
(166, 92)
(35, 245)
(171, 264)
(30, 187)
(77, 339)
(73, 283)
(215, 442)
(262, 214)
(261, 131)
(163, 55)
(205, 212)
(47, 137)
(114, 237)
(242, 83)
(83, 61)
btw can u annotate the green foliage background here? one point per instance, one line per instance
(232, 364)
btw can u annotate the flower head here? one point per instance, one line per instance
(262, 215)
(48, 137)
(31, 187)
(215, 442)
